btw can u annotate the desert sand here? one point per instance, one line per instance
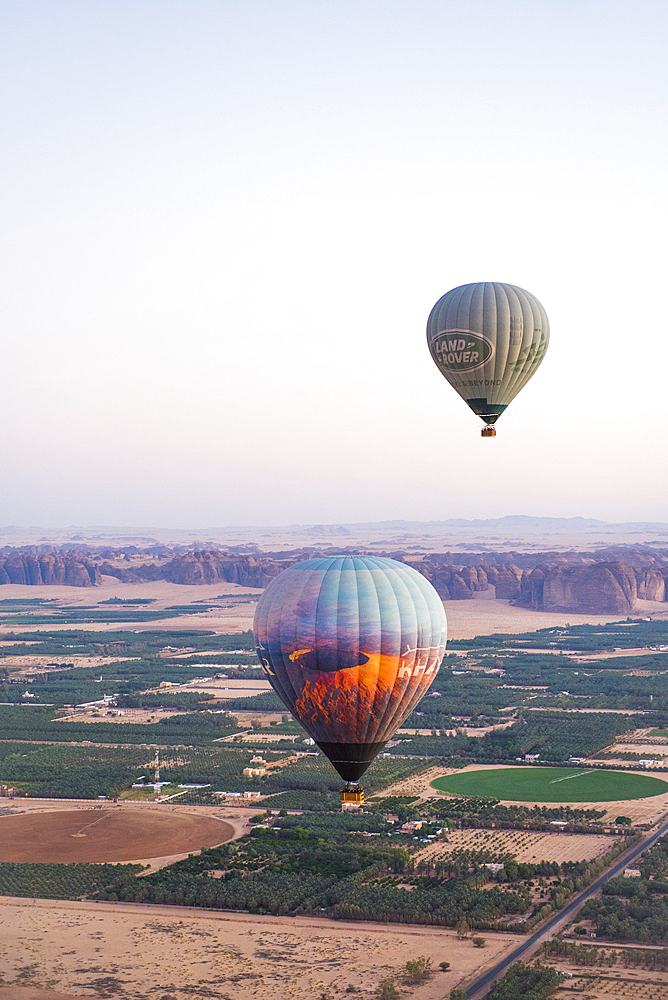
(466, 619)
(136, 952)
(224, 620)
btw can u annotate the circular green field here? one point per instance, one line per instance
(551, 784)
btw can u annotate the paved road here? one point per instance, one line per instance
(482, 985)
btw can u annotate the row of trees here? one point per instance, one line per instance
(343, 897)
(66, 881)
(588, 955)
(555, 736)
(41, 724)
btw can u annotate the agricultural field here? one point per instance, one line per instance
(526, 846)
(551, 784)
(87, 771)
(103, 835)
(604, 972)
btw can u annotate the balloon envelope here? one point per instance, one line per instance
(487, 339)
(350, 644)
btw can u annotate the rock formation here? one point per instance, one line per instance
(574, 582)
(33, 570)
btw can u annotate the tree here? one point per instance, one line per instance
(444, 966)
(417, 970)
(512, 870)
(386, 989)
(479, 942)
(623, 821)
(526, 981)
(457, 994)
(462, 928)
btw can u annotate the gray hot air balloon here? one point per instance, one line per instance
(487, 339)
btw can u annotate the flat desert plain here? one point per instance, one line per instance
(135, 952)
(466, 619)
(237, 617)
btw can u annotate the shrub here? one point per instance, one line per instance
(418, 970)
(386, 989)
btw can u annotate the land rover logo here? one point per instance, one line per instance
(460, 350)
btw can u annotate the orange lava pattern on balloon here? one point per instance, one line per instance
(351, 644)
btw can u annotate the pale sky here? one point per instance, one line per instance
(224, 225)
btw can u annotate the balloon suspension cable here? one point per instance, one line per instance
(488, 431)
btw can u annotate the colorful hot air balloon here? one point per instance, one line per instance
(487, 339)
(350, 644)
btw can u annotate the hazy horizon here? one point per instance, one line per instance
(225, 226)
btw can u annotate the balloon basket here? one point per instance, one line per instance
(488, 431)
(352, 797)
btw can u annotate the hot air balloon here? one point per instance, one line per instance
(487, 339)
(350, 644)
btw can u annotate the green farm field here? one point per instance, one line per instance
(551, 784)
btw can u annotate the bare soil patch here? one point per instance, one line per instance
(420, 784)
(30, 993)
(33, 663)
(106, 835)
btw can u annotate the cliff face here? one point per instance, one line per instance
(207, 567)
(33, 570)
(203, 567)
(601, 588)
(455, 583)
(651, 585)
